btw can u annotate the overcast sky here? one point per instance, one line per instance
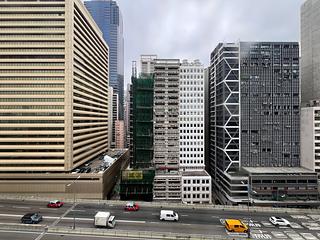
(190, 29)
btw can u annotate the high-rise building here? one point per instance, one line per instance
(119, 127)
(310, 52)
(167, 183)
(191, 115)
(107, 15)
(254, 119)
(137, 183)
(147, 63)
(110, 117)
(127, 116)
(310, 85)
(54, 86)
(310, 137)
(195, 181)
(115, 117)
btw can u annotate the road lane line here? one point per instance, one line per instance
(75, 210)
(184, 215)
(21, 207)
(154, 214)
(53, 209)
(130, 221)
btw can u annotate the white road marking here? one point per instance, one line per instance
(129, 221)
(154, 214)
(75, 210)
(184, 215)
(309, 236)
(300, 217)
(21, 207)
(53, 209)
(266, 224)
(280, 235)
(215, 216)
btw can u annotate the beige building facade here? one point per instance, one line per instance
(53, 86)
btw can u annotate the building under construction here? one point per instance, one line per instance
(137, 183)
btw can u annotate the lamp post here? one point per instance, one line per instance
(74, 202)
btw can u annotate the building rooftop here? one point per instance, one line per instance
(276, 170)
(195, 173)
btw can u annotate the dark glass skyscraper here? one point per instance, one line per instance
(254, 113)
(107, 15)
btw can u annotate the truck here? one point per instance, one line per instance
(104, 219)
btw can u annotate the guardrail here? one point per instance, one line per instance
(136, 234)
(169, 205)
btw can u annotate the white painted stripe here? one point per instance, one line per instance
(75, 210)
(129, 221)
(155, 214)
(21, 207)
(184, 215)
(53, 209)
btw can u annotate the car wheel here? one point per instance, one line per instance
(161, 219)
(288, 225)
(175, 220)
(245, 231)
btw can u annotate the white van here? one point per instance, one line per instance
(168, 215)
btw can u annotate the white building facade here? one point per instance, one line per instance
(196, 182)
(310, 138)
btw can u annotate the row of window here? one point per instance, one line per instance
(196, 181)
(191, 131)
(192, 149)
(190, 161)
(197, 196)
(196, 189)
(191, 70)
(31, 107)
(191, 76)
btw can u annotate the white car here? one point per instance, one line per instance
(278, 221)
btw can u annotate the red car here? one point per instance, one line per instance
(131, 206)
(55, 204)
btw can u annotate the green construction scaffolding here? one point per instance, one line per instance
(140, 188)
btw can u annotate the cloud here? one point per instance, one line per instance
(192, 28)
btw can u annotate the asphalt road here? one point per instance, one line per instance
(191, 221)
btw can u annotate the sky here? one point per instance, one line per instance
(191, 29)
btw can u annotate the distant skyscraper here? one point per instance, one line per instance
(254, 112)
(310, 52)
(107, 15)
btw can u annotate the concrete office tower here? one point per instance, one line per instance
(196, 182)
(310, 85)
(127, 116)
(310, 137)
(147, 63)
(310, 52)
(191, 116)
(254, 116)
(119, 134)
(107, 15)
(54, 86)
(115, 117)
(110, 117)
(167, 183)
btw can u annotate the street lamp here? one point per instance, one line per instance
(74, 201)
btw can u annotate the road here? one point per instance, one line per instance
(191, 221)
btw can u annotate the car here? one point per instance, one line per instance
(236, 225)
(278, 221)
(131, 206)
(55, 204)
(31, 218)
